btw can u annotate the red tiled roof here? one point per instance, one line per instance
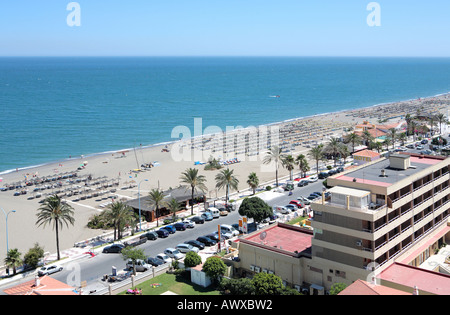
(48, 286)
(367, 153)
(409, 276)
(361, 287)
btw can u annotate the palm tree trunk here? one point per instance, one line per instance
(192, 201)
(57, 240)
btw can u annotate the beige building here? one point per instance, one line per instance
(394, 209)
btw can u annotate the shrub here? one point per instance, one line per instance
(192, 259)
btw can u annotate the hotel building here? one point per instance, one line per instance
(380, 216)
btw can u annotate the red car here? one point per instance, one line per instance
(297, 203)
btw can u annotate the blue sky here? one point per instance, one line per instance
(225, 28)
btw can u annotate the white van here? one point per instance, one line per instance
(214, 212)
(229, 229)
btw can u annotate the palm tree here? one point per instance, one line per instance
(118, 214)
(253, 181)
(173, 206)
(316, 153)
(13, 259)
(333, 148)
(354, 139)
(288, 163)
(393, 135)
(156, 200)
(193, 180)
(367, 137)
(302, 164)
(53, 210)
(274, 155)
(226, 179)
(440, 118)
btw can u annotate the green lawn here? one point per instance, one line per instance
(174, 283)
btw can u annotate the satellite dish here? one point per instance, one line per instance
(263, 235)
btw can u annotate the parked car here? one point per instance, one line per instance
(281, 209)
(214, 212)
(170, 228)
(323, 175)
(223, 212)
(291, 207)
(140, 265)
(296, 203)
(229, 229)
(313, 178)
(303, 183)
(213, 236)
(173, 253)
(410, 146)
(424, 141)
(223, 235)
(198, 220)
(164, 258)
(304, 200)
(114, 248)
(189, 224)
(150, 235)
(136, 242)
(162, 233)
(207, 216)
(419, 147)
(48, 270)
(155, 261)
(206, 240)
(180, 226)
(195, 243)
(185, 248)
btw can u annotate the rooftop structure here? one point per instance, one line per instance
(42, 286)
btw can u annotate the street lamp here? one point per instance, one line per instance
(139, 197)
(6, 217)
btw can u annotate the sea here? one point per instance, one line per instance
(55, 108)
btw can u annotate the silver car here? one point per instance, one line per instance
(185, 248)
(48, 270)
(173, 253)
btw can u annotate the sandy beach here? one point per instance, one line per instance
(117, 169)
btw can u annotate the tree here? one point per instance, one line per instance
(194, 181)
(255, 208)
(337, 288)
(173, 206)
(226, 179)
(316, 153)
(274, 155)
(333, 148)
(440, 118)
(267, 284)
(288, 163)
(54, 211)
(13, 259)
(366, 137)
(134, 254)
(192, 259)
(118, 214)
(214, 268)
(253, 181)
(393, 135)
(33, 256)
(156, 200)
(354, 139)
(302, 164)
(241, 286)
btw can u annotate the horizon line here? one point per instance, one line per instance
(212, 56)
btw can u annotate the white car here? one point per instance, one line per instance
(140, 265)
(190, 224)
(48, 270)
(164, 258)
(185, 248)
(281, 209)
(173, 253)
(312, 179)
